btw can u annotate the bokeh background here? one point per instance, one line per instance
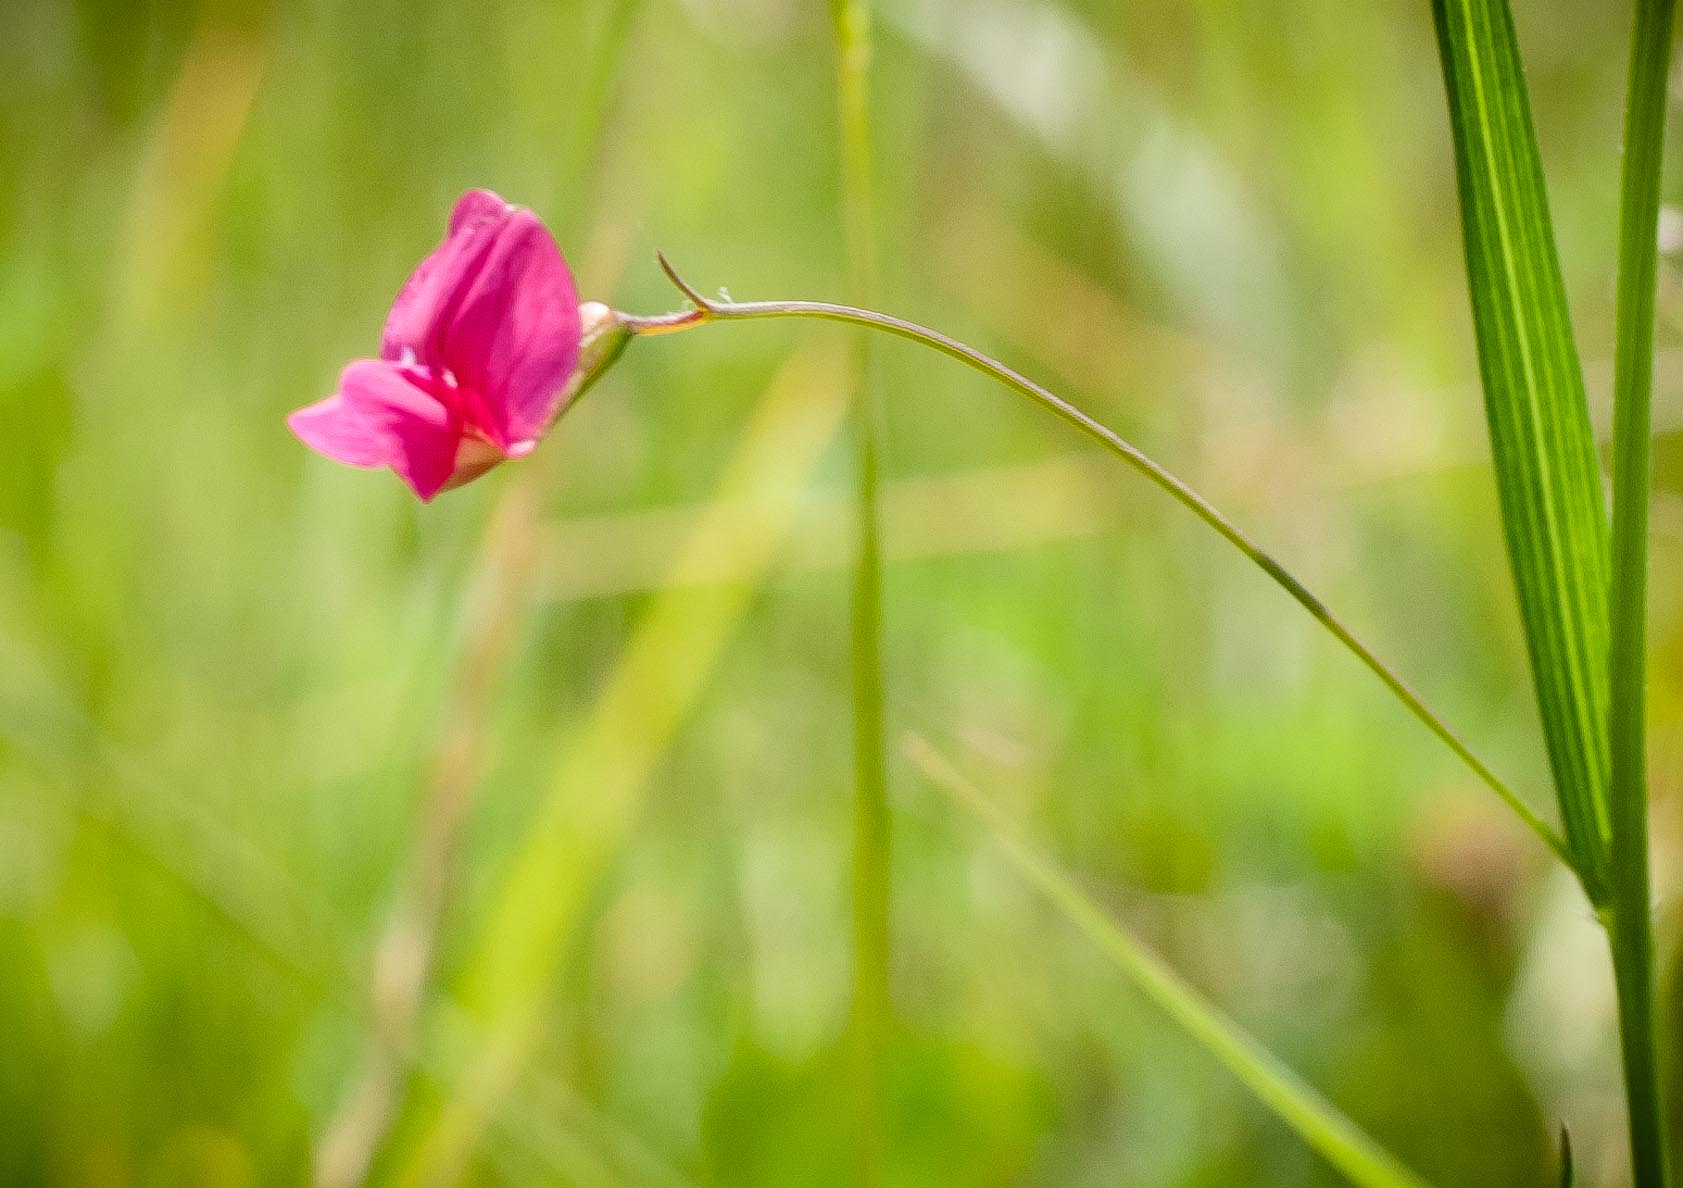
(506, 840)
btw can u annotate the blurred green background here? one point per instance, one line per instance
(506, 840)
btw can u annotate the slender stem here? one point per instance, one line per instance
(1629, 916)
(870, 764)
(709, 310)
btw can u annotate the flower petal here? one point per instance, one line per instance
(336, 429)
(495, 305)
(513, 333)
(432, 290)
(476, 205)
(383, 416)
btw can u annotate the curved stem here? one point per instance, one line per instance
(709, 310)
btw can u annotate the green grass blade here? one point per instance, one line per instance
(1631, 928)
(1320, 1124)
(870, 801)
(1547, 474)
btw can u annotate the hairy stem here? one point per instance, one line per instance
(1630, 930)
(710, 310)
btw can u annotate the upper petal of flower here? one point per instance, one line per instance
(382, 416)
(476, 205)
(495, 306)
(513, 332)
(423, 305)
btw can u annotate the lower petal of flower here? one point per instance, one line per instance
(382, 417)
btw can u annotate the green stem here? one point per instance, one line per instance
(1630, 931)
(709, 310)
(870, 801)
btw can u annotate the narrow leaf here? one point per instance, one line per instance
(1319, 1123)
(1547, 474)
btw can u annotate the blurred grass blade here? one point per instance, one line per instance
(137, 810)
(1567, 1177)
(852, 19)
(1547, 474)
(1297, 1103)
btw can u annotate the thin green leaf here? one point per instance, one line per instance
(1298, 1104)
(1547, 474)
(1567, 1177)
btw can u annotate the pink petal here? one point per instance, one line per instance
(495, 305)
(514, 333)
(383, 415)
(423, 304)
(337, 430)
(476, 205)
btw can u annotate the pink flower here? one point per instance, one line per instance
(474, 362)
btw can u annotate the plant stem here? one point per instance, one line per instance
(1630, 928)
(708, 310)
(870, 765)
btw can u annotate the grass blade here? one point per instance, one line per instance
(1547, 475)
(1298, 1104)
(1631, 928)
(870, 794)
